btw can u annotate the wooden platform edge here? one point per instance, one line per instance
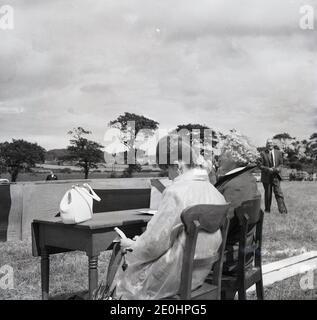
(287, 268)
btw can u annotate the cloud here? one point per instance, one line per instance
(243, 64)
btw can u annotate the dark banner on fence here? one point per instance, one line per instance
(5, 205)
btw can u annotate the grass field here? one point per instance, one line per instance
(77, 175)
(283, 236)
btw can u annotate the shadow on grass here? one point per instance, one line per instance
(79, 295)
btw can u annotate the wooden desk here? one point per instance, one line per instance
(51, 236)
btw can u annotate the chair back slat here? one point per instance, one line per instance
(209, 218)
(249, 209)
(245, 255)
(250, 218)
(202, 262)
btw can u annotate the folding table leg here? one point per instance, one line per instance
(45, 273)
(260, 290)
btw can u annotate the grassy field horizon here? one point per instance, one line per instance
(77, 175)
(283, 236)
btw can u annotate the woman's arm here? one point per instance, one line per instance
(156, 239)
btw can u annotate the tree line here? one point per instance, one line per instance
(23, 155)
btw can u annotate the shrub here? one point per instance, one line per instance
(296, 165)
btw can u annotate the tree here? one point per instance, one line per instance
(140, 123)
(86, 152)
(296, 165)
(203, 129)
(261, 149)
(2, 162)
(284, 142)
(282, 136)
(20, 154)
(313, 144)
(312, 149)
(290, 148)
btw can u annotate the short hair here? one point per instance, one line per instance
(173, 148)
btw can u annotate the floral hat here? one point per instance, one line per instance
(240, 148)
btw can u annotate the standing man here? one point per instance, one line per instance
(270, 162)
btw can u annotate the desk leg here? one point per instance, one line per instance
(92, 274)
(45, 272)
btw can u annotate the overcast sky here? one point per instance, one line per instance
(227, 64)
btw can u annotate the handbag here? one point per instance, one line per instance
(77, 204)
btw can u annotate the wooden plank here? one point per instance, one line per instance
(289, 272)
(277, 265)
(287, 268)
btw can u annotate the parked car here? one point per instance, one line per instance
(299, 176)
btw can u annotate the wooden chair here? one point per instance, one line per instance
(248, 271)
(209, 218)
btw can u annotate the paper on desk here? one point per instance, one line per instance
(148, 211)
(120, 233)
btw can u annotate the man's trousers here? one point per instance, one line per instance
(276, 188)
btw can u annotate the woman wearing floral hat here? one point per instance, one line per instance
(236, 182)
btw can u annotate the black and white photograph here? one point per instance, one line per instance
(158, 150)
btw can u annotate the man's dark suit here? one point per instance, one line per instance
(270, 177)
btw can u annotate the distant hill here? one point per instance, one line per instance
(55, 154)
